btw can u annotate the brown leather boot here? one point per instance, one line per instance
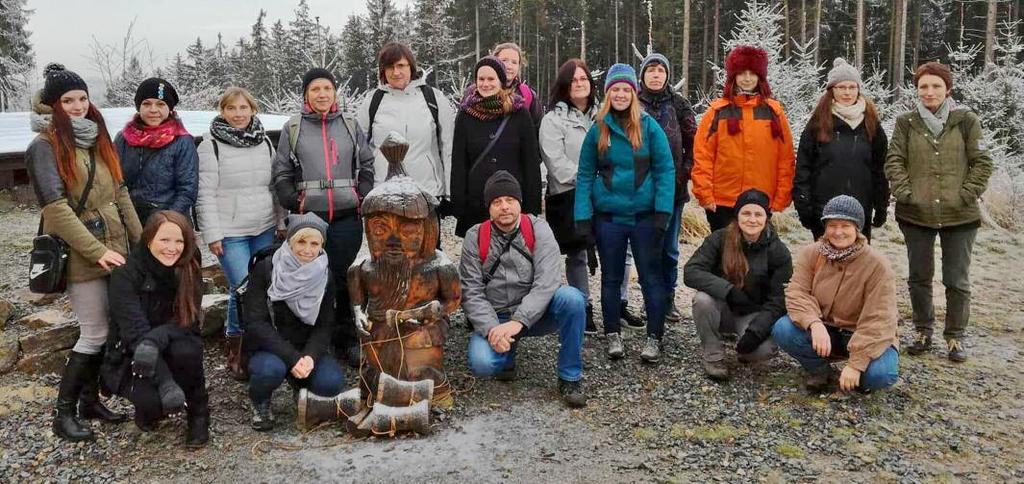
(233, 348)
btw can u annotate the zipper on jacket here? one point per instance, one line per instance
(327, 166)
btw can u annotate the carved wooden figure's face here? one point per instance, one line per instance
(394, 238)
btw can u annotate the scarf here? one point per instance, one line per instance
(138, 134)
(853, 114)
(490, 107)
(300, 286)
(251, 135)
(838, 255)
(84, 130)
(937, 120)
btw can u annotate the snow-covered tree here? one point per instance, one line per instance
(16, 57)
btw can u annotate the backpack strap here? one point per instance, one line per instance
(483, 240)
(483, 237)
(293, 133)
(270, 146)
(526, 226)
(216, 149)
(527, 94)
(431, 100)
(378, 95)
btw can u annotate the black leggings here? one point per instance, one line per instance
(184, 358)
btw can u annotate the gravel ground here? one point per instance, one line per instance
(663, 423)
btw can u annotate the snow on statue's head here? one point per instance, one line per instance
(400, 217)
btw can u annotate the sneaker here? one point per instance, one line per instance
(632, 321)
(922, 344)
(615, 349)
(572, 393)
(957, 353)
(262, 417)
(716, 370)
(819, 382)
(591, 327)
(652, 350)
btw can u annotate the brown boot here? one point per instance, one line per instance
(233, 348)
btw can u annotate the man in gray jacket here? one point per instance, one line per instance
(511, 287)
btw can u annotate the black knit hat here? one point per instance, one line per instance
(494, 63)
(156, 88)
(753, 196)
(59, 81)
(502, 184)
(317, 73)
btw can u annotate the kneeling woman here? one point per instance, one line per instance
(289, 318)
(842, 302)
(740, 273)
(154, 351)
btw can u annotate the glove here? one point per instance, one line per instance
(739, 302)
(748, 342)
(584, 229)
(879, 217)
(144, 360)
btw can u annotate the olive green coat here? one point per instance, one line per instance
(938, 180)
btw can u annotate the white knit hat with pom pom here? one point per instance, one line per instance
(842, 71)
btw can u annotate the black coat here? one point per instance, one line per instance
(141, 298)
(849, 164)
(770, 268)
(675, 116)
(282, 333)
(517, 151)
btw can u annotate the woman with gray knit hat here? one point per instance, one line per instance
(842, 152)
(289, 315)
(77, 180)
(939, 167)
(841, 304)
(158, 156)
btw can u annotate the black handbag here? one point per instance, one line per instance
(48, 261)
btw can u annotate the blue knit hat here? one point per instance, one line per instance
(620, 73)
(656, 58)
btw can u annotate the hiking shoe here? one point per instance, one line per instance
(508, 374)
(632, 321)
(820, 381)
(716, 370)
(262, 417)
(672, 314)
(591, 327)
(615, 349)
(572, 393)
(957, 353)
(652, 350)
(922, 344)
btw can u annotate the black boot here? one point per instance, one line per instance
(198, 432)
(632, 321)
(65, 424)
(591, 327)
(89, 405)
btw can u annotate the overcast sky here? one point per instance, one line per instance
(63, 30)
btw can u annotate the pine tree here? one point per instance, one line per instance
(16, 56)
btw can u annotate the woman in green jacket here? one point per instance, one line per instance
(938, 168)
(73, 151)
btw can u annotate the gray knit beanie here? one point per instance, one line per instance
(844, 207)
(842, 71)
(298, 222)
(652, 59)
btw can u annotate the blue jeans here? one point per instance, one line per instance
(566, 314)
(235, 263)
(882, 372)
(647, 254)
(267, 371)
(670, 258)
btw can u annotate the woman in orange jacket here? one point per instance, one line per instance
(743, 141)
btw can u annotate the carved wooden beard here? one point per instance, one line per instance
(395, 244)
(395, 273)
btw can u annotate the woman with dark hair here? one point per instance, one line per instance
(740, 274)
(842, 152)
(624, 195)
(514, 60)
(404, 103)
(159, 158)
(154, 351)
(77, 180)
(939, 167)
(743, 141)
(573, 106)
(493, 131)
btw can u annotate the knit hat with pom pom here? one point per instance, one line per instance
(59, 81)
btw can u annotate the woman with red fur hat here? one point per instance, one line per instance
(743, 141)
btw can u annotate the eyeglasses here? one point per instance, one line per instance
(581, 80)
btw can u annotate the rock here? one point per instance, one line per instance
(9, 352)
(44, 319)
(50, 340)
(41, 364)
(29, 297)
(215, 310)
(14, 397)
(6, 309)
(218, 282)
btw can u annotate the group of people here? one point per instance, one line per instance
(285, 223)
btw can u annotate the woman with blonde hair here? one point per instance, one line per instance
(514, 60)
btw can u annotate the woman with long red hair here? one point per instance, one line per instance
(77, 179)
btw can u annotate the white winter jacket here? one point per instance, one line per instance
(561, 137)
(406, 112)
(235, 194)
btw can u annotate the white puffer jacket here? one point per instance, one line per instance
(235, 194)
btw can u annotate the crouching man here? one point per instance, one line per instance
(510, 272)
